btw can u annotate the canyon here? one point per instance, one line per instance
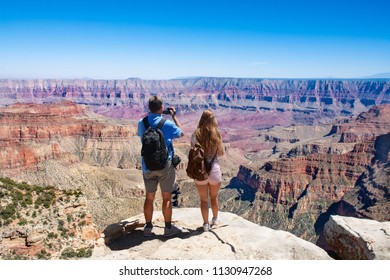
(299, 99)
(296, 151)
(343, 172)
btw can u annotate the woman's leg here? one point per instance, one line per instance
(214, 189)
(204, 205)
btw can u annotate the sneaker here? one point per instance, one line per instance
(171, 231)
(214, 221)
(206, 227)
(147, 231)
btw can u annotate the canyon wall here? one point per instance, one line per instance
(68, 146)
(32, 133)
(315, 180)
(291, 176)
(115, 97)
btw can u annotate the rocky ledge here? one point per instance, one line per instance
(44, 223)
(233, 238)
(358, 239)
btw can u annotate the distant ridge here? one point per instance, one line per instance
(378, 76)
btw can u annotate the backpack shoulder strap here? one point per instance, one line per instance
(147, 125)
(161, 123)
(146, 122)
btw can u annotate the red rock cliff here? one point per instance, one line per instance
(30, 133)
(329, 172)
(113, 97)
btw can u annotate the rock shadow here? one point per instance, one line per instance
(136, 238)
(116, 230)
(337, 208)
(245, 192)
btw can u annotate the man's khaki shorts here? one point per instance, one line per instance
(166, 177)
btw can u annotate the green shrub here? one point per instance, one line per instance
(8, 212)
(43, 255)
(52, 235)
(22, 222)
(70, 253)
(23, 204)
(28, 199)
(17, 196)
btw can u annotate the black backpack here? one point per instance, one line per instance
(154, 150)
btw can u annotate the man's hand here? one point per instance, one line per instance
(172, 111)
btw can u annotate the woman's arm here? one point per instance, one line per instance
(193, 140)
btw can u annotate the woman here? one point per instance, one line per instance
(208, 136)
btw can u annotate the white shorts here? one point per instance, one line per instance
(215, 176)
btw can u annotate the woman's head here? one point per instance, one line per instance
(207, 120)
(207, 132)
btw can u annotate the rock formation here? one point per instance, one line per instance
(235, 238)
(44, 222)
(370, 199)
(67, 146)
(358, 239)
(115, 97)
(25, 125)
(294, 148)
(312, 177)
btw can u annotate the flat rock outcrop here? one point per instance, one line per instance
(233, 238)
(358, 239)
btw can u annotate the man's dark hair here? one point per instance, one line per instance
(155, 104)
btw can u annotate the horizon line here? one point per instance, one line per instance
(204, 77)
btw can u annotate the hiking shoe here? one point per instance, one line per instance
(171, 231)
(206, 227)
(214, 222)
(147, 231)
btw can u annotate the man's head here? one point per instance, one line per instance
(155, 104)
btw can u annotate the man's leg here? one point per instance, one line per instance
(167, 207)
(167, 182)
(148, 206)
(151, 182)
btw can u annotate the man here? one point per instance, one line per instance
(166, 177)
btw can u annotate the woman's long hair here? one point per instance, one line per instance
(207, 133)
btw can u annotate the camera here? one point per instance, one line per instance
(175, 160)
(168, 111)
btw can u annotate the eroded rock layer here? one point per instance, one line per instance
(114, 97)
(311, 181)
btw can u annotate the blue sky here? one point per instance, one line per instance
(120, 39)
